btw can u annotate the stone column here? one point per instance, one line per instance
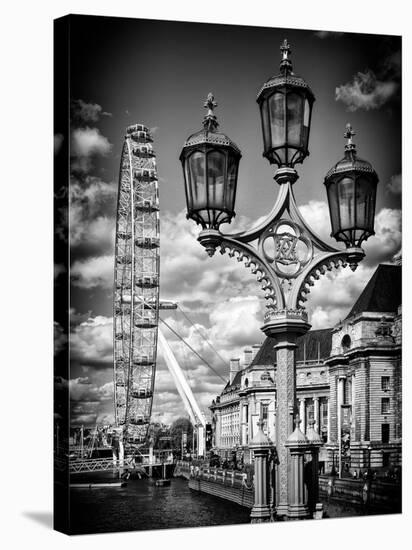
(284, 327)
(244, 423)
(353, 400)
(328, 405)
(315, 507)
(340, 400)
(302, 414)
(285, 384)
(297, 443)
(316, 412)
(261, 446)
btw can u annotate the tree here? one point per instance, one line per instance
(180, 426)
(158, 435)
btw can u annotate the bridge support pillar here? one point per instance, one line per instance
(261, 446)
(298, 444)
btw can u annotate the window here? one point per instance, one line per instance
(385, 383)
(385, 405)
(385, 434)
(346, 342)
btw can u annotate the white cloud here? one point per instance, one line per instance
(316, 215)
(366, 92)
(387, 241)
(92, 222)
(91, 342)
(395, 184)
(187, 273)
(93, 272)
(82, 111)
(89, 141)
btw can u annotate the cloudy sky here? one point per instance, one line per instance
(159, 73)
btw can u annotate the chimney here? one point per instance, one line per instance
(234, 368)
(248, 354)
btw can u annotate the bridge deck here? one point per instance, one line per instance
(110, 464)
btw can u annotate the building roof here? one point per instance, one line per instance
(236, 382)
(315, 344)
(383, 293)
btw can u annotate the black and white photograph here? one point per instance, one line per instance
(228, 274)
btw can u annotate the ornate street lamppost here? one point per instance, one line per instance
(282, 251)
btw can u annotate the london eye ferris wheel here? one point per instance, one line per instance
(136, 284)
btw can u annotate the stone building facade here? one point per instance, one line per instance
(347, 376)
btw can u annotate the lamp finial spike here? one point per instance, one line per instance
(210, 121)
(285, 64)
(349, 133)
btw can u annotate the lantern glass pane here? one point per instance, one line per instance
(189, 199)
(346, 198)
(306, 121)
(333, 207)
(277, 119)
(197, 179)
(216, 178)
(295, 119)
(231, 182)
(264, 113)
(365, 203)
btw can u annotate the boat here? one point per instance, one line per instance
(96, 485)
(162, 482)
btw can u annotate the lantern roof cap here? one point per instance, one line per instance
(351, 162)
(209, 134)
(286, 77)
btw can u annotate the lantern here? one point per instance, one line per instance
(285, 103)
(351, 188)
(210, 162)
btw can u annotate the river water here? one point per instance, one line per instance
(141, 505)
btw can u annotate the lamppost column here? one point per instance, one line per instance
(285, 385)
(284, 327)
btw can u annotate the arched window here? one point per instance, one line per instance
(346, 342)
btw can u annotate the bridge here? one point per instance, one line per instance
(141, 461)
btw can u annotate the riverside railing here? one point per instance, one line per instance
(230, 478)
